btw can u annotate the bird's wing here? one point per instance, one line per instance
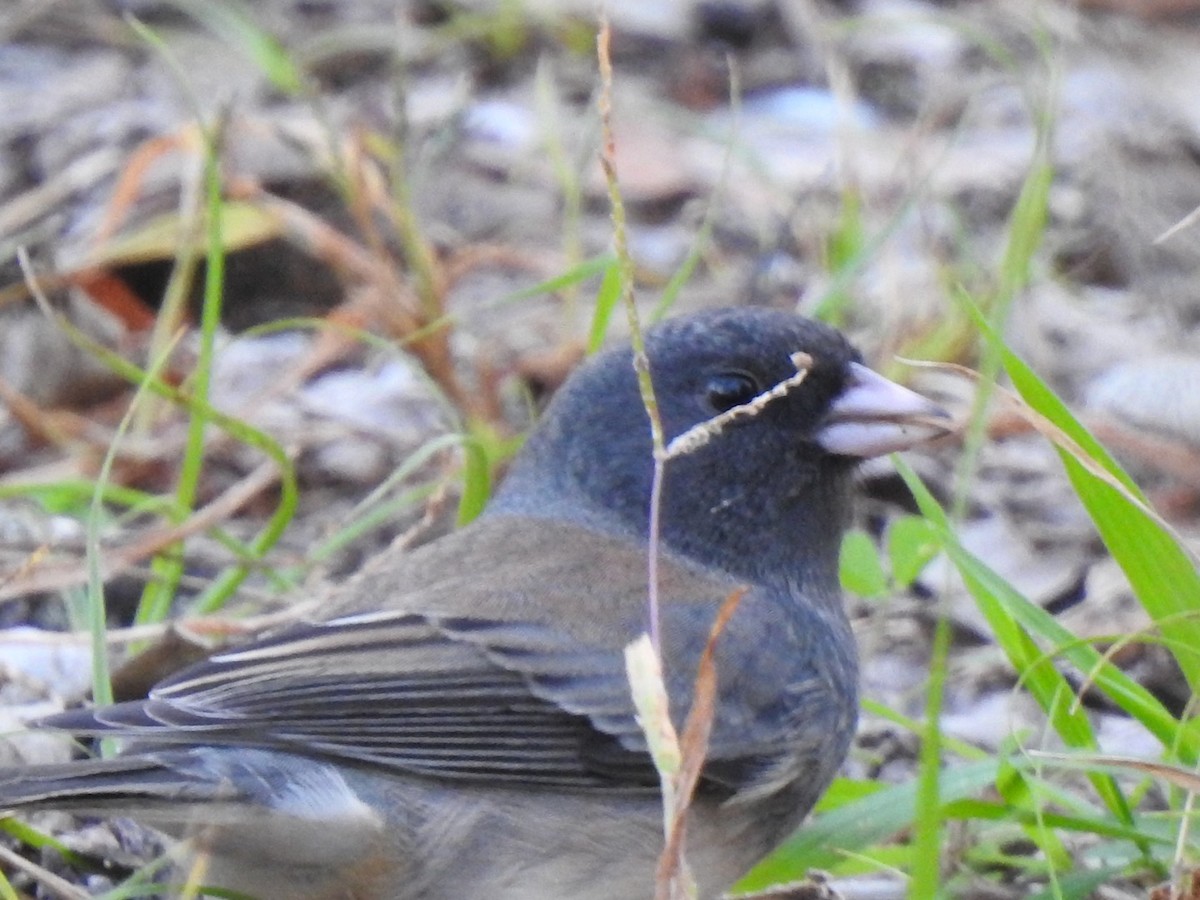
(452, 697)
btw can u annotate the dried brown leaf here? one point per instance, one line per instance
(693, 748)
(1186, 779)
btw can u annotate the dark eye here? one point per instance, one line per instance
(726, 390)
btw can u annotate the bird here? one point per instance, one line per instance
(457, 722)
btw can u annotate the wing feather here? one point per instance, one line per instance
(452, 697)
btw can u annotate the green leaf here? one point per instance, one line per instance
(861, 570)
(857, 826)
(242, 224)
(477, 481)
(911, 544)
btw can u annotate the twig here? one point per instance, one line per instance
(641, 362)
(122, 558)
(699, 435)
(53, 883)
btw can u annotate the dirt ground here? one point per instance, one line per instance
(388, 164)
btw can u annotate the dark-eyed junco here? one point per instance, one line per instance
(460, 724)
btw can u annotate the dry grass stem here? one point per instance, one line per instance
(60, 887)
(118, 559)
(699, 435)
(1064, 441)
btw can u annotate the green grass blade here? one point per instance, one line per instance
(860, 824)
(234, 25)
(1161, 572)
(572, 277)
(168, 565)
(606, 303)
(285, 509)
(926, 871)
(997, 601)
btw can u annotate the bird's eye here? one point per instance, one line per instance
(729, 389)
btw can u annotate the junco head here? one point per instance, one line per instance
(459, 724)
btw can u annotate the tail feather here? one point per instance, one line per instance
(103, 784)
(266, 806)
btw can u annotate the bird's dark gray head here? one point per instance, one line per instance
(763, 499)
